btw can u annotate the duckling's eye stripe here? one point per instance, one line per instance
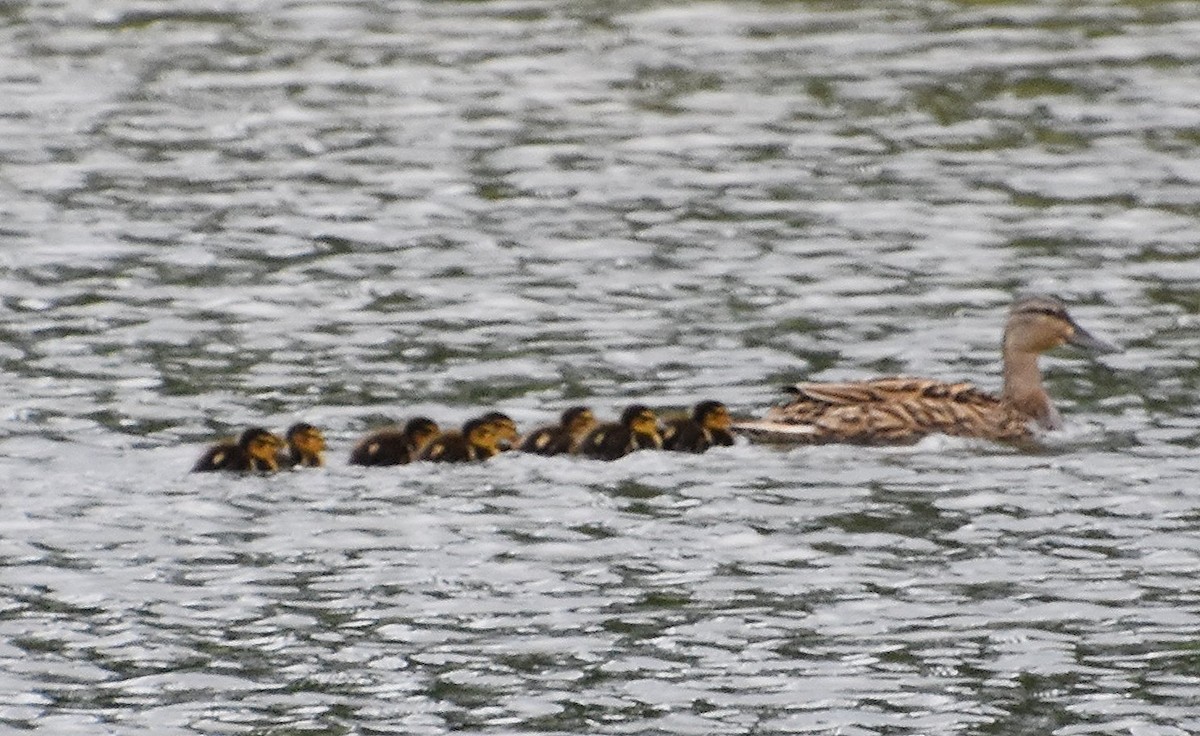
(1046, 311)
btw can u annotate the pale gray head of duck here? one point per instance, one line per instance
(1037, 323)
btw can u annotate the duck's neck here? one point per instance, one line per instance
(1023, 388)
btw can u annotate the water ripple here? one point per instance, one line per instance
(353, 213)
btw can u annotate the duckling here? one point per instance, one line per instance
(708, 426)
(305, 447)
(477, 441)
(393, 445)
(902, 409)
(255, 449)
(505, 428)
(637, 430)
(563, 437)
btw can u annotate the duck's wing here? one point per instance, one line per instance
(886, 411)
(547, 441)
(383, 447)
(450, 447)
(221, 456)
(684, 435)
(607, 442)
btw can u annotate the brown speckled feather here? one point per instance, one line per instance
(902, 409)
(889, 411)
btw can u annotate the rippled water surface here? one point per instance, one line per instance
(216, 214)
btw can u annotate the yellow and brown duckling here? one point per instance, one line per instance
(305, 447)
(637, 430)
(395, 445)
(256, 449)
(505, 429)
(708, 425)
(902, 409)
(477, 441)
(563, 437)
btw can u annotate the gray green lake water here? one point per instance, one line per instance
(222, 213)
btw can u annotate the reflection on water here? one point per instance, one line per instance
(353, 213)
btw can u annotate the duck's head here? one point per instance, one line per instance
(260, 444)
(306, 439)
(1039, 323)
(503, 427)
(578, 420)
(641, 419)
(712, 415)
(420, 430)
(481, 433)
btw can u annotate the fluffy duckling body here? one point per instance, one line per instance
(256, 450)
(305, 447)
(395, 445)
(637, 430)
(902, 409)
(708, 425)
(476, 442)
(563, 437)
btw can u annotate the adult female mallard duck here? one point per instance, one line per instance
(395, 445)
(899, 410)
(477, 441)
(563, 437)
(637, 430)
(708, 425)
(254, 450)
(305, 447)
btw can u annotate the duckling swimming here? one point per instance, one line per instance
(477, 441)
(254, 450)
(395, 446)
(901, 409)
(562, 437)
(637, 430)
(708, 425)
(305, 447)
(505, 429)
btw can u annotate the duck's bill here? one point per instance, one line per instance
(1089, 342)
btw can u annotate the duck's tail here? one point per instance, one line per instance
(765, 430)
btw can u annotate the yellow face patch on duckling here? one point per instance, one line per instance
(309, 441)
(645, 423)
(423, 436)
(505, 430)
(265, 448)
(582, 423)
(718, 418)
(484, 436)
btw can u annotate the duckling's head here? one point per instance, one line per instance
(503, 426)
(640, 418)
(712, 415)
(481, 433)
(1038, 323)
(306, 438)
(420, 430)
(577, 420)
(260, 444)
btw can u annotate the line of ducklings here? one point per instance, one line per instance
(878, 411)
(421, 439)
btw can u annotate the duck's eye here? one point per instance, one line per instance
(1047, 312)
